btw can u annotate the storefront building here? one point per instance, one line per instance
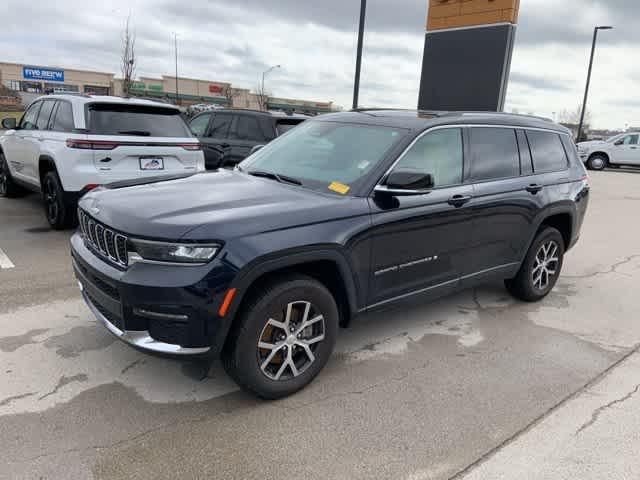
(30, 81)
(40, 79)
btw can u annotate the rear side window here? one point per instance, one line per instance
(45, 114)
(63, 121)
(145, 121)
(246, 127)
(438, 153)
(220, 125)
(494, 153)
(547, 151)
(283, 126)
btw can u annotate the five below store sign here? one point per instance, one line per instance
(40, 73)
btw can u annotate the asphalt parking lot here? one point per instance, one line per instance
(422, 392)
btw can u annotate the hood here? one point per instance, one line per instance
(591, 143)
(225, 204)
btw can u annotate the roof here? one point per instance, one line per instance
(81, 99)
(421, 120)
(282, 115)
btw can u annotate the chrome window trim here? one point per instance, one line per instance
(460, 126)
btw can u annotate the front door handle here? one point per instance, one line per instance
(224, 145)
(459, 200)
(534, 188)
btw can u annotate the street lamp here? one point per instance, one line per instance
(586, 90)
(356, 83)
(264, 74)
(175, 43)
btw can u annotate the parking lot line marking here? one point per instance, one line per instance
(5, 262)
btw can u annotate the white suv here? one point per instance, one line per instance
(65, 145)
(622, 149)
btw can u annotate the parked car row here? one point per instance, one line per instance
(345, 214)
(65, 145)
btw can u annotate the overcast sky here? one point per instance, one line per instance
(315, 40)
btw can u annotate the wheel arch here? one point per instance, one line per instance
(46, 164)
(561, 218)
(328, 266)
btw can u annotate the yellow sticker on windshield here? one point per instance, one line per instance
(339, 187)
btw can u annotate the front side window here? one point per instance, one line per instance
(30, 117)
(63, 121)
(494, 153)
(45, 113)
(199, 124)
(136, 120)
(547, 152)
(326, 156)
(628, 140)
(438, 153)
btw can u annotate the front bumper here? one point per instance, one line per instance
(163, 309)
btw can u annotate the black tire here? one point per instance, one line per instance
(8, 187)
(60, 213)
(597, 162)
(524, 285)
(243, 359)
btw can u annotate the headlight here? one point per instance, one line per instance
(187, 253)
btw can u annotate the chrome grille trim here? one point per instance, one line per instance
(103, 240)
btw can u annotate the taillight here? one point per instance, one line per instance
(192, 147)
(91, 144)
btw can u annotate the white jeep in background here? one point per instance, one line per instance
(619, 150)
(65, 145)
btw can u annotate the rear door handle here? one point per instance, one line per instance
(534, 188)
(459, 200)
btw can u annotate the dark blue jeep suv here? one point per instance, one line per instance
(347, 213)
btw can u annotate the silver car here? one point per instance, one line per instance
(622, 149)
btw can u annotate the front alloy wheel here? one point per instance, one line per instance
(286, 347)
(283, 336)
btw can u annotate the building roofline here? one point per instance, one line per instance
(57, 67)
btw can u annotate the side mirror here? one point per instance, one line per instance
(255, 149)
(9, 123)
(405, 183)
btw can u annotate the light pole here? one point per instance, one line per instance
(586, 90)
(175, 43)
(356, 83)
(262, 94)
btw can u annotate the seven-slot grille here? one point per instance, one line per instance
(102, 239)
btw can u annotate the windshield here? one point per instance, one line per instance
(614, 138)
(114, 119)
(325, 156)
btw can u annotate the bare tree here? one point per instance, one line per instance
(263, 97)
(230, 93)
(128, 65)
(572, 116)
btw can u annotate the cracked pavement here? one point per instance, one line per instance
(476, 384)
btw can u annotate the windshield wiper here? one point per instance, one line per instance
(139, 133)
(275, 176)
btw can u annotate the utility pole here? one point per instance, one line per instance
(356, 85)
(586, 90)
(175, 42)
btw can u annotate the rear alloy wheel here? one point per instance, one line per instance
(8, 188)
(59, 213)
(597, 162)
(283, 338)
(541, 267)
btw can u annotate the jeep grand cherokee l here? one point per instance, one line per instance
(65, 145)
(345, 214)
